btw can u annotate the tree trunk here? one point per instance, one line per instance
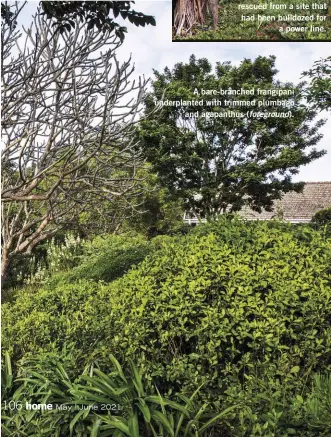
(5, 260)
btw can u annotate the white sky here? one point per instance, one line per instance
(152, 48)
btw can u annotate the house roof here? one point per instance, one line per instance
(296, 207)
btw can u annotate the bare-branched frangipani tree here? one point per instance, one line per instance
(69, 110)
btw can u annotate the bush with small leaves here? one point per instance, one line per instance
(323, 217)
(242, 308)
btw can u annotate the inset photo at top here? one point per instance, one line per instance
(251, 20)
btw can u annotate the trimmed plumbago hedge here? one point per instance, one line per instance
(243, 308)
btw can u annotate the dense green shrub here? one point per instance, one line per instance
(71, 310)
(322, 218)
(106, 258)
(103, 258)
(243, 308)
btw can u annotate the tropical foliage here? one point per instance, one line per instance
(240, 309)
(96, 404)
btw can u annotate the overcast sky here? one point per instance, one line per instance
(152, 48)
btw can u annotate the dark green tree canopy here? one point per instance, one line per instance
(319, 91)
(219, 164)
(94, 13)
(323, 217)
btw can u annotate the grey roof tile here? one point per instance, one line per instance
(293, 206)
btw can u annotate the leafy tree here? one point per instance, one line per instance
(7, 15)
(94, 13)
(220, 163)
(158, 212)
(319, 91)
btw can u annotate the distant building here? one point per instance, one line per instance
(292, 207)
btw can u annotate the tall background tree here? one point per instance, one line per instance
(319, 90)
(218, 164)
(68, 114)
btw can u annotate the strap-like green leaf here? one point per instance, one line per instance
(118, 367)
(216, 418)
(8, 371)
(162, 419)
(83, 394)
(117, 433)
(144, 409)
(75, 420)
(133, 425)
(61, 371)
(119, 424)
(137, 379)
(164, 402)
(188, 427)
(95, 428)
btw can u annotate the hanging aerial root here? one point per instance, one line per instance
(187, 13)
